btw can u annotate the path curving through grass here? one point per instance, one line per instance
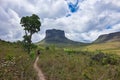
(38, 70)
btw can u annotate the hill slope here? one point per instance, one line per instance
(109, 47)
(112, 37)
(15, 63)
(109, 43)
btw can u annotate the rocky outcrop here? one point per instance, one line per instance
(55, 36)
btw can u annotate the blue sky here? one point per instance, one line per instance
(82, 20)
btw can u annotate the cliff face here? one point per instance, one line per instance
(108, 38)
(54, 36)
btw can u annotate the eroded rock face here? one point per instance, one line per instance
(55, 34)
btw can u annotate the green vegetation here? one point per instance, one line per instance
(104, 59)
(31, 25)
(92, 62)
(109, 47)
(77, 64)
(15, 63)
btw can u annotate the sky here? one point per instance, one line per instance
(82, 20)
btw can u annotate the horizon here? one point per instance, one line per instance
(81, 20)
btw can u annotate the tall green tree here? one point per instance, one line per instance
(31, 25)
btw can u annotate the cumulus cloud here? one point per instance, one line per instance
(10, 29)
(82, 20)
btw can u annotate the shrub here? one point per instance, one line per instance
(47, 48)
(104, 59)
(32, 55)
(9, 57)
(98, 57)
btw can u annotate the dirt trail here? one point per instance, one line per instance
(38, 70)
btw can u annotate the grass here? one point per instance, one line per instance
(58, 64)
(15, 63)
(61, 63)
(109, 47)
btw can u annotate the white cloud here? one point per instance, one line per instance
(10, 28)
(94, 17)
(51, 8)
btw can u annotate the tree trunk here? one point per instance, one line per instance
(30, 43)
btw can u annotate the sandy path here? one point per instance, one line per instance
(38, 70)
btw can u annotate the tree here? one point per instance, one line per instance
(31, 25)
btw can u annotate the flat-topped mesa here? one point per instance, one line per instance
(55, 34)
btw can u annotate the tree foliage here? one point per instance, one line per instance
(31, 25)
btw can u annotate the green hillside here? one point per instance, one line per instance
(109, 47)
(15, 63)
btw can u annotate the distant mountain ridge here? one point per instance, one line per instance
(54, 36)
(111, 37)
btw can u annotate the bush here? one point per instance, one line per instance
(47, 48)
(32, 55)
(104, 59)
(98, 57)
(9, 57)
